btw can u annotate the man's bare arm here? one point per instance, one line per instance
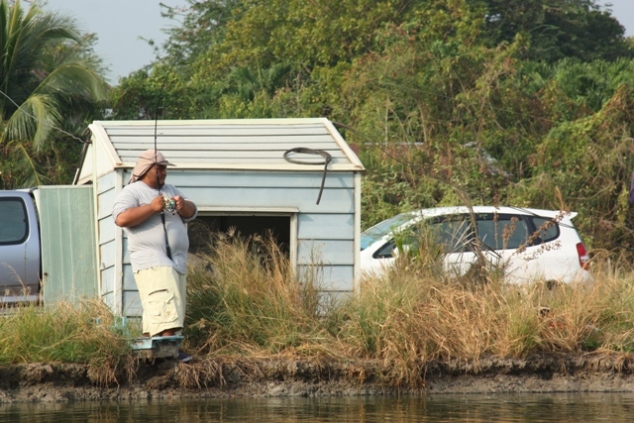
(136, 215)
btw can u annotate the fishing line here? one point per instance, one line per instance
(169, 203)
(50, 125)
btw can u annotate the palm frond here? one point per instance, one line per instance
(25, 170)
(73, 79)
(33, 120)
(41, 89)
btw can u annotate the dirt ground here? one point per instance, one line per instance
(167, 378)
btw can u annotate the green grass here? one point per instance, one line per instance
(67, 334)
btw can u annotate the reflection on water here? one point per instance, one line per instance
(561, 408)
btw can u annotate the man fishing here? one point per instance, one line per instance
(154, 214)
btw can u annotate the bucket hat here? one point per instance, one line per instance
(146, 160)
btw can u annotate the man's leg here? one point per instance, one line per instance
(160, 292)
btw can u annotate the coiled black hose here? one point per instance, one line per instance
(303, 150)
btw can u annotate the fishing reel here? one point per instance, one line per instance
(170, 205)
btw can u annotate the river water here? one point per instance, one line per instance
(561, 408)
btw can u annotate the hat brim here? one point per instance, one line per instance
(142, 167)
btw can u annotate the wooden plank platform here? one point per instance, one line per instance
(157, 346)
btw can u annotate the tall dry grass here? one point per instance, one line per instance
(253, 304)
(245, 299)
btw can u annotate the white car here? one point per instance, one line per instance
(528, 244)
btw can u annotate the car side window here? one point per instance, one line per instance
(386, 251)
(454, 234)
(502, 231)
(407, 238)
(14, 226)
(547, 229)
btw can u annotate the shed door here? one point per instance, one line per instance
(202, 230)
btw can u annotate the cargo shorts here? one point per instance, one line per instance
(163, 297)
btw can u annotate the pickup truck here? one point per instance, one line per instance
(20, 256)
(48, 244)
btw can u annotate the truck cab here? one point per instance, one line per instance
(20, 255)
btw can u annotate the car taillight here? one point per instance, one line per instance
(584, 258)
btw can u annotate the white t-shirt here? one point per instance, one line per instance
(146, 241)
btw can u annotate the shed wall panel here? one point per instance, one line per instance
(108, 299)
(325, 251)
(250, 155)
(328, 278)
(126, 250)
(107, 256)
(107, 276)
(252, 130)
(253, 159)
(129, 144)
(128, 278)
(105, 201)
(310, 178)
(109, 248)
(332, 200)
(325, 226)
(106, 183)
(106, 230)
(132, 304)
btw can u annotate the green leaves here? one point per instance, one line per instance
(557, 28)
(45, 86)
(448, 101)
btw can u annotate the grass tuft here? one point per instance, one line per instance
(70, 334)
(252, 301)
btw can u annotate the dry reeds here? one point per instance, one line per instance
(246, 301)
(253, 305)
(251, 300)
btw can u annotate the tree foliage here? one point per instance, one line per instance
(557, 28)
(448, 101)
(46, 90)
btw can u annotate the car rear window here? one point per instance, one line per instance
(13, 222)
(547, 228)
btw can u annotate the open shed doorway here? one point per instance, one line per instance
(203, 229)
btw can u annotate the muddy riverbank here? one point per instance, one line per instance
(51, 382)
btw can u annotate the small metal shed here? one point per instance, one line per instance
(238, 173)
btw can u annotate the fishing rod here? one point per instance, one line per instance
(170, 204)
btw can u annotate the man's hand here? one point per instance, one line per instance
(184, 207)
(158, 204)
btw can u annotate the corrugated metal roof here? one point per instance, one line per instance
(238, 144)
